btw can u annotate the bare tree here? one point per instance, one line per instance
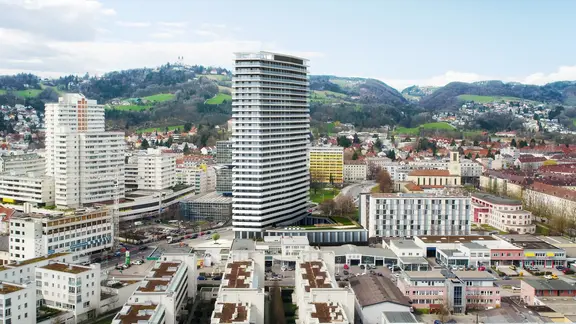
(384, 181)
(373, 171)
(345, 204)
(328, 207)
(443, 311)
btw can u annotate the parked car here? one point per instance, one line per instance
(513, 267)
(345, 272)
(551, 277)
(481, 268)
(362, 267)
(137, 262)
(568, 271)
(143, 247)
(505, 278)
(560, 268)
(201, 278)
(217, 278)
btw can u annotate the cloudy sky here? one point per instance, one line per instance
(399, 42)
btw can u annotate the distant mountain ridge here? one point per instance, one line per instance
(447, 97)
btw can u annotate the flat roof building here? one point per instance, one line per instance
(212, 207)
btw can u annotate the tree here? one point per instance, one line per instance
(384, 181)
(532, 143)
(391, 154)
(373, 171)
(453, 143)
(378, 145)
(331, 179)
(187, 127)
(343, 141)
(144, 145)
(469, 156)
(276, 305)
(186, 149)
(476, 143)
(355, 156)
(328, 207)
(477, 156)
(513, 143)
(216, 237)
(345, 204)
(169, 142)
(443, 311)
(356, 139)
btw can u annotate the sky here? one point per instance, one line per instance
(402, 43)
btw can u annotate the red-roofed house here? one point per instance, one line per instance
(529, 162)
(5, 215)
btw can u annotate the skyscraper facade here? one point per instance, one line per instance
(84, 160)
(270, 108)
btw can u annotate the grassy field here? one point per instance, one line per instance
(160, 129)
(416, 130)
(160, 97)
(323, 194)
(217, 77)
(327, 96)
(218, 99)
(487, 99)
(342, 220)
(31, 93)
(131, 108)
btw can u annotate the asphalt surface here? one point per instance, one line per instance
(356, 189)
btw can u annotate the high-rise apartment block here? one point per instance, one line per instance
(327, 164)
(85, 161)
(409, 215)
(151, 170)
(271, 115)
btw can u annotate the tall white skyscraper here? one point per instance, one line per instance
(270, 108)
(83, 159)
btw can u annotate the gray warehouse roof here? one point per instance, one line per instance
(364, 250)
(543, 284)
(211, 198)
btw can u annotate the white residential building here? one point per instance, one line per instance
(408, 215)
(35, 188)
(164, 292)
(270, 107)
(69, 287)
(17, 303)
(317, 291)
(151, 170)
(502, 213)
(22, 163)
(81, 233)
(241, 294)
(355, 171)
(24, 271)
(22, 179)
(85, 161)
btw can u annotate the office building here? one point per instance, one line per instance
(224, 179)
(81, 233)
(408, 215)
(317, 293)
(17, 303)
(224, 152)
(241, 294)
(85, 161)
(163, 294)
(210, 207)
(355, 171)
(71, 288)
(502, 213)
(270, 107)
(151, 170)
(327, 164)
(458, 289)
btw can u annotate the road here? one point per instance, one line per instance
(356, 189)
